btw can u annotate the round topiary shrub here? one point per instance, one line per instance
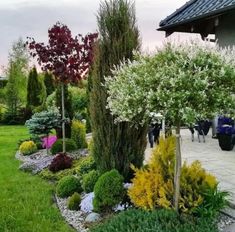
(67, 186)
(108, 191)
(58, 146)
(60, 162)
(74, 201)
(28, 147)
(89, 180)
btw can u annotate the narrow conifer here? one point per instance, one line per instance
(115, 145)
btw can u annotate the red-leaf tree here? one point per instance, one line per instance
(66, 57)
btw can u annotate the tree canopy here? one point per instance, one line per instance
(183, 83)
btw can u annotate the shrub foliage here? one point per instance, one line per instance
(89, 180)
(74, 201)
(136, 220)
(78, 134)
(86, 164)
(153, 185)
(60, 162)
(58, 146)
(28, 147)
(67, 186)
(108, 190)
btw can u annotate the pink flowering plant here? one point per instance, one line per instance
(48, 141)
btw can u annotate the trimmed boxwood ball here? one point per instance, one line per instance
(108, 191)
(89, 180)
(74, 201)
(67, 186)
(58, 146)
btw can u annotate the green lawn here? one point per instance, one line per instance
(26, 203)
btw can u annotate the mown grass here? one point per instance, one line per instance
(26, 203)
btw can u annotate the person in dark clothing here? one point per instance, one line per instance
(151, 135)
(156, 132)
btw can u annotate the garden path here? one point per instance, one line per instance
(218, 162)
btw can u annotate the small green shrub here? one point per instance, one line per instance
(28, 147)
(89, 180)
(67, 186)
(55, 176)
(86, 164)
(74, 201)
(214, 201)
(108, 190)
(58, 146)
(137, 220)
(48, 175)
(78, 134)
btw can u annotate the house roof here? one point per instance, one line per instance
(195, 10)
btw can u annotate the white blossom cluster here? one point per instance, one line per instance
(182, 83)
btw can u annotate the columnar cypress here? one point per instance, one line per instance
(115, 145)
(49, 83)
(34, 89)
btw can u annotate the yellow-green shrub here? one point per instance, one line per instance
(78, 134)
(28, 147)
(153, 186)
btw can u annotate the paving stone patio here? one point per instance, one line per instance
(218, 162)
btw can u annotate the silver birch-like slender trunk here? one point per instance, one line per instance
(177, 170)
(63, 117)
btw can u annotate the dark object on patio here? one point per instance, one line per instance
(226, 133)
(202, 127)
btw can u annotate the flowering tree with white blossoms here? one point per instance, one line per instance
(183, 83)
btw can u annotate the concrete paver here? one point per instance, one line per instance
(213, 159)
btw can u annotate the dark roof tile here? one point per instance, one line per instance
(196, 9)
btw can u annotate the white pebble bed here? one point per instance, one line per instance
(74, 218)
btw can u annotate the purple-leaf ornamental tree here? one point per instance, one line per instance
(66, 57)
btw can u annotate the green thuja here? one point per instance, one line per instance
(34, 89)
(49, 83)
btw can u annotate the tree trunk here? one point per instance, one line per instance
(63, 117)
(177, 170)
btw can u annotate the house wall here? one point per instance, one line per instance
(225, 31)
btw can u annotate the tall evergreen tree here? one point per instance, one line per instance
(16, 87)
(115, 145)
(34, 89)
(49, 83)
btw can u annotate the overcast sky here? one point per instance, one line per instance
(34, 17)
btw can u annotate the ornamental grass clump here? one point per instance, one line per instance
(28, 147)
(153, 186)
